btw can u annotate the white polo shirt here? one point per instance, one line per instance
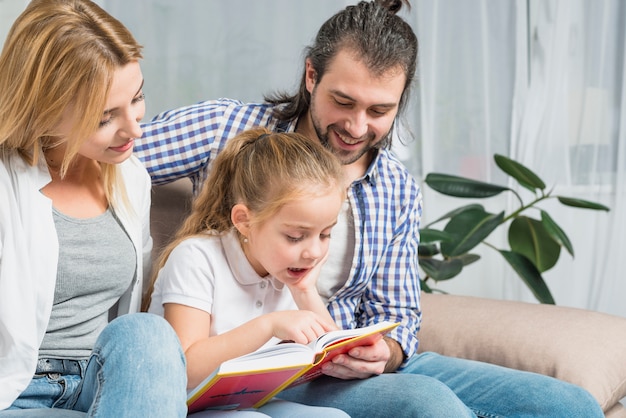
(212, 273)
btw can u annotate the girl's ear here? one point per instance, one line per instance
(240, 217)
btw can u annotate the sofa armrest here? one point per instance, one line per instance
(576, 345)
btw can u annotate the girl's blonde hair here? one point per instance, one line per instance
(262, 170)
(60, 53)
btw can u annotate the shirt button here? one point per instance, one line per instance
(263, 285)
(259, 303)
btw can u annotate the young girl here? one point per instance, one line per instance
(242, 270)
(74, 224)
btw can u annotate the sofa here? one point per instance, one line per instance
(579, 346)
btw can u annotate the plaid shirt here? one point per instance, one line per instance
(386, 204)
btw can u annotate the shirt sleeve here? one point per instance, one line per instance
(185, 282)
(394, 290)
(179, 143)
(184, 142)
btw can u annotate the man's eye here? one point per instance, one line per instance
(294, 239)
(379, 112)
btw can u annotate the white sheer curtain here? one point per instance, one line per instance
(204, 49)
(541, 81)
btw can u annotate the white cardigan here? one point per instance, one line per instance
(28, 262)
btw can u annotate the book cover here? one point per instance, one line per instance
(253, 379)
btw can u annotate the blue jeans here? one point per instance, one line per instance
(494, 391)
(136, 369)
(276, 408)
(436, 386)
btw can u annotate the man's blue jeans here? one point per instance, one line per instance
(137, 369)
(435, 386)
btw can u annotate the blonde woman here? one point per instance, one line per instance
(74, 224)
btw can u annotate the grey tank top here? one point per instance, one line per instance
(97, 263)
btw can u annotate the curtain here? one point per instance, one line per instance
(540, 81)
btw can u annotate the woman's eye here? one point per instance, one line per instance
(139, 98)
(105, 122)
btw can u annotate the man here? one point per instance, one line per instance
(356, 81)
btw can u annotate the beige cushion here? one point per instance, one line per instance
(171, 203)
(579, 346)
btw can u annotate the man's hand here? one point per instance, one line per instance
(362, 362)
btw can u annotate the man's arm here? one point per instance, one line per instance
(183, 142)
(392, 291)
(396, 355)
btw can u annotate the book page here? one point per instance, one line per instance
(281, 355)
(334, 337)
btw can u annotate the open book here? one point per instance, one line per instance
(255, 378)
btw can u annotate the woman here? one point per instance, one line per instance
(74, 224)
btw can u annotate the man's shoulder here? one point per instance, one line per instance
(216, 108)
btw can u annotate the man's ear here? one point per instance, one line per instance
(240, 217)
(310, 75)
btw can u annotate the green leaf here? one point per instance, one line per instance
(428, 235)
(425, 288)
(427, 250)
(441, 269)
(469, 229)
(579, 203)
(468, 258)
(524, 176)
(462, 187)
(529, 274)
(456, 211)
(530, 238)
(556, 232)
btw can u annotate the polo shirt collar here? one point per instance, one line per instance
(240, 266)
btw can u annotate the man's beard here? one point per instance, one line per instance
(345, 157)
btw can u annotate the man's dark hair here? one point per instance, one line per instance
(370, 29)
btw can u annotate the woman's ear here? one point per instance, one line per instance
(240, 217)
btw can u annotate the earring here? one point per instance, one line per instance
(245, 240)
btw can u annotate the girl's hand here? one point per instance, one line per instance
(299, 326)
(308, 283)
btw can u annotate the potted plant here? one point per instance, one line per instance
(535, 243)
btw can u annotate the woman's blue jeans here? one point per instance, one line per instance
(136, 369)
(436, 386)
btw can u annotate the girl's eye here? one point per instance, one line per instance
(294, 239)
(325, 236)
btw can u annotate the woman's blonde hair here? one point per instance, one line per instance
(262, 170)
(59, 53)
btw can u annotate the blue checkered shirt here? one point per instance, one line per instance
(386, 204)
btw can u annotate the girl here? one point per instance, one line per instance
(74, 224)
(242, 270)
